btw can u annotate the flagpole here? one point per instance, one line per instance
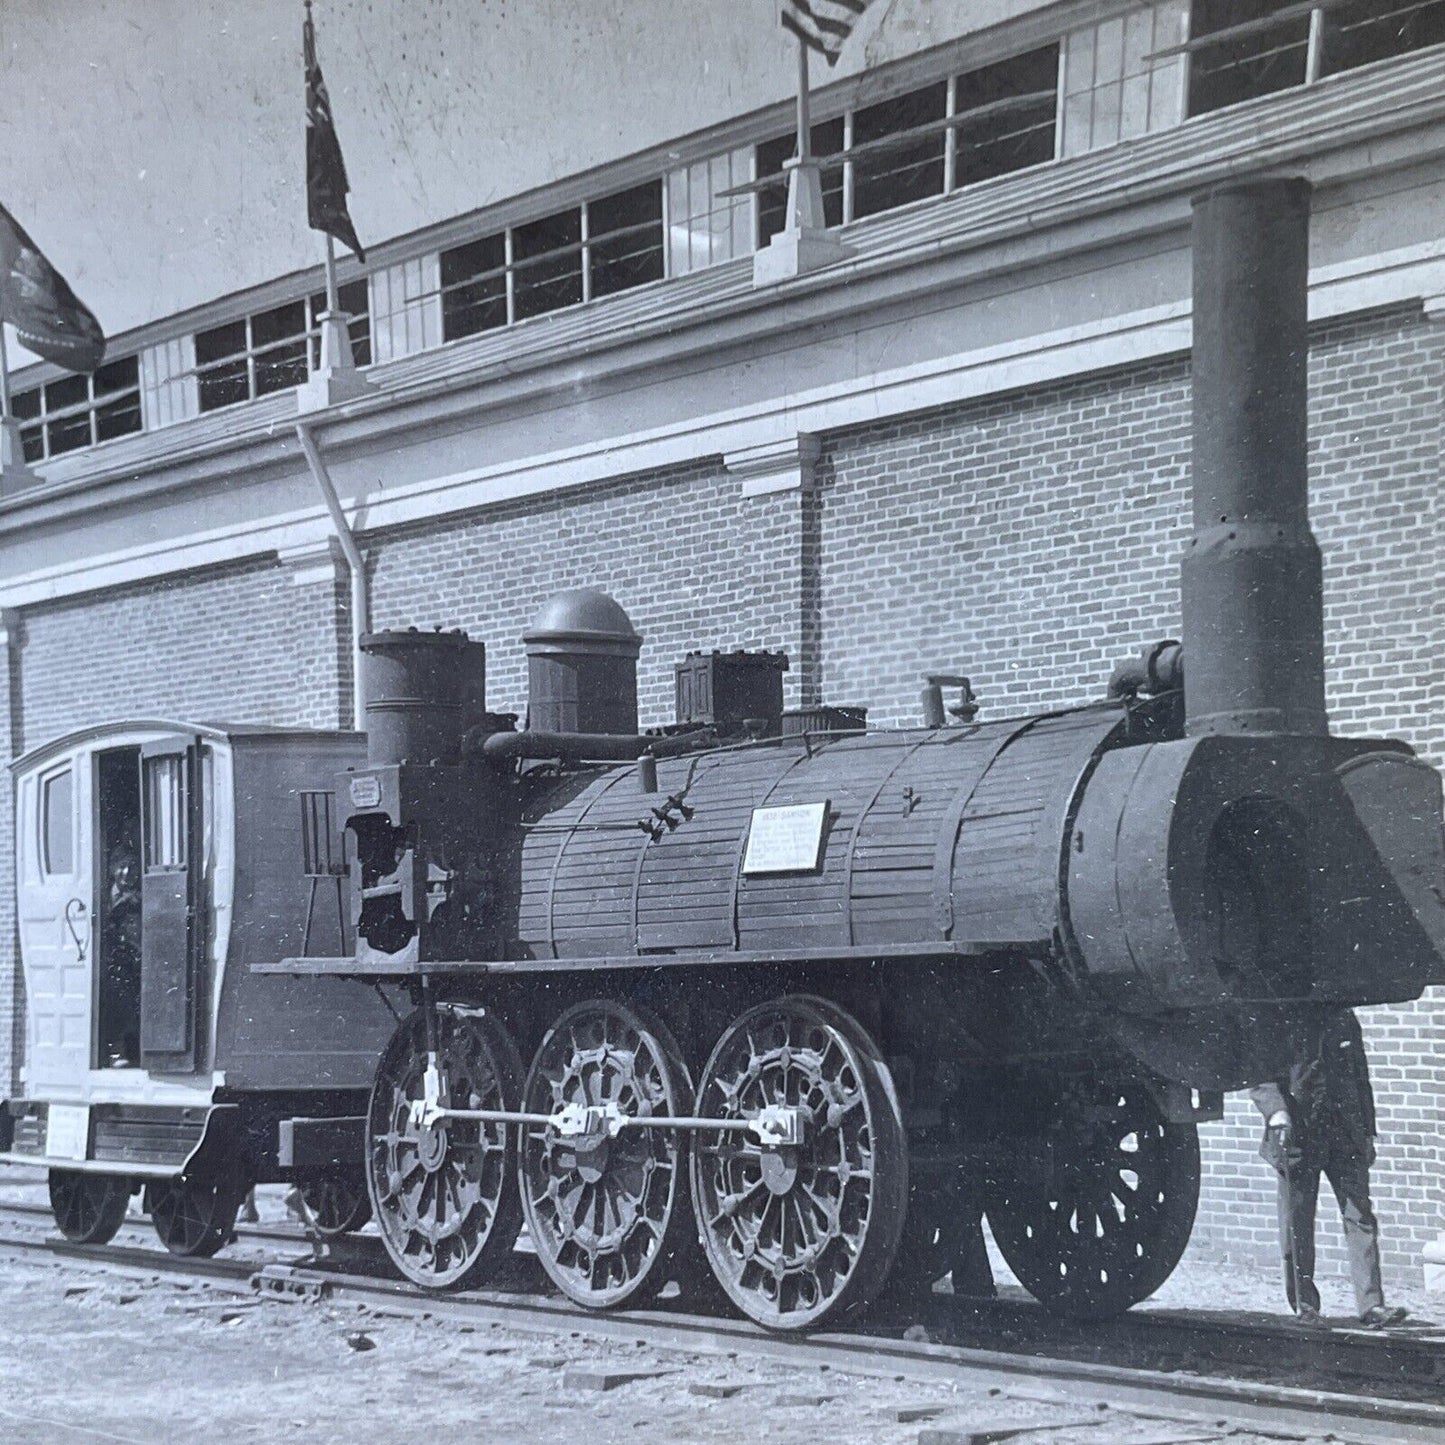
(332, 296)
(4, 378)
(805, 127)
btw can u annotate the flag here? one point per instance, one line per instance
(326, 184)
(823, 25)
(35, 299)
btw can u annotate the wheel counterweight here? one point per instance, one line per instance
(802, 1232)
(1095, 1219)
(88, 1208)
(443, 1194)
(606, 1208)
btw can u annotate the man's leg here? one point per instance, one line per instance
(1349, 1176)
(1299, 1188)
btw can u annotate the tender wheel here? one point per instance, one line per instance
(800, 1233)
(1095, 1220)
(88, 1208)
(443, 1196)
(338, 1204)
(195, 1216)
(606, 1211)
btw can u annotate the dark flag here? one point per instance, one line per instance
(823, 25)
(35, 299)
(326, 184)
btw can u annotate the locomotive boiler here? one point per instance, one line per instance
(793, 1000)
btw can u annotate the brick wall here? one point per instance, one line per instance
(1030, 540)
(694, 563)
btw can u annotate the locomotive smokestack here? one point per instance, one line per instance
(1250, 577)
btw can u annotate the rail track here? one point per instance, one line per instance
(1218, 1373)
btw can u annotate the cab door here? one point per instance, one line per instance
(172, 916)
(55, 878)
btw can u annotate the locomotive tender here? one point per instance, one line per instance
(809, 996)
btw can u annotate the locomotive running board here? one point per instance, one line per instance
(703, 958)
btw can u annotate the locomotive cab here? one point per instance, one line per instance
(154, 861)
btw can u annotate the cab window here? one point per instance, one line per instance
(57, 823)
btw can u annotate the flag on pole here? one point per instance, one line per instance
(326, 184)
(35, 299)
(823, 25)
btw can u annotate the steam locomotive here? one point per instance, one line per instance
(765, 1000)
(800, 998)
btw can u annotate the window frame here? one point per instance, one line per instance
(1317, 67)
(66, 772)
(586, 248)
(949, 127)
(38, 425)
(308, 339)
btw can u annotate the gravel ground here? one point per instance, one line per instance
(88, 1356)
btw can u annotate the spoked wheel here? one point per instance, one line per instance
(1096, 1219)
(196, 1216)
(800, 1233)
(606, 1211)
(443, 1195)
(88, 1208)
(338, 1203)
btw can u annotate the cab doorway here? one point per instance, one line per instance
(118, 908)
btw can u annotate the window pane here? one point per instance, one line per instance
(26, 404)
(908, 170)
(227, 383)
(165, 813)
(278, 339)
(625, 239)
(474, 287)
(1258, 62)
(547, 262)
(57, 809)
(121, 375)
(1007, 136)
(68, 391)
(224, 385)
(68, 434)
(32, 442)
(825, 139)
(1367, 30)
(221, 341)
(118, 418)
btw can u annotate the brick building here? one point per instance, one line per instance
(963, 444)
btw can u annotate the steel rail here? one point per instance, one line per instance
(1346, 1417)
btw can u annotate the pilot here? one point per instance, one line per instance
(1320, 1118)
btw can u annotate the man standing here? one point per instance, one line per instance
(1320, 1118)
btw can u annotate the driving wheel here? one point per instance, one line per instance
(1093, 1212)
(605, 1206)
(800, 1220)
(88, 1208)
(443, 1194)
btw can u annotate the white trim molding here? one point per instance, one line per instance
(775, 466)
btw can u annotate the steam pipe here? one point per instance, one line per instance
(574, 747)
(1157, 669)
(356, 564)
